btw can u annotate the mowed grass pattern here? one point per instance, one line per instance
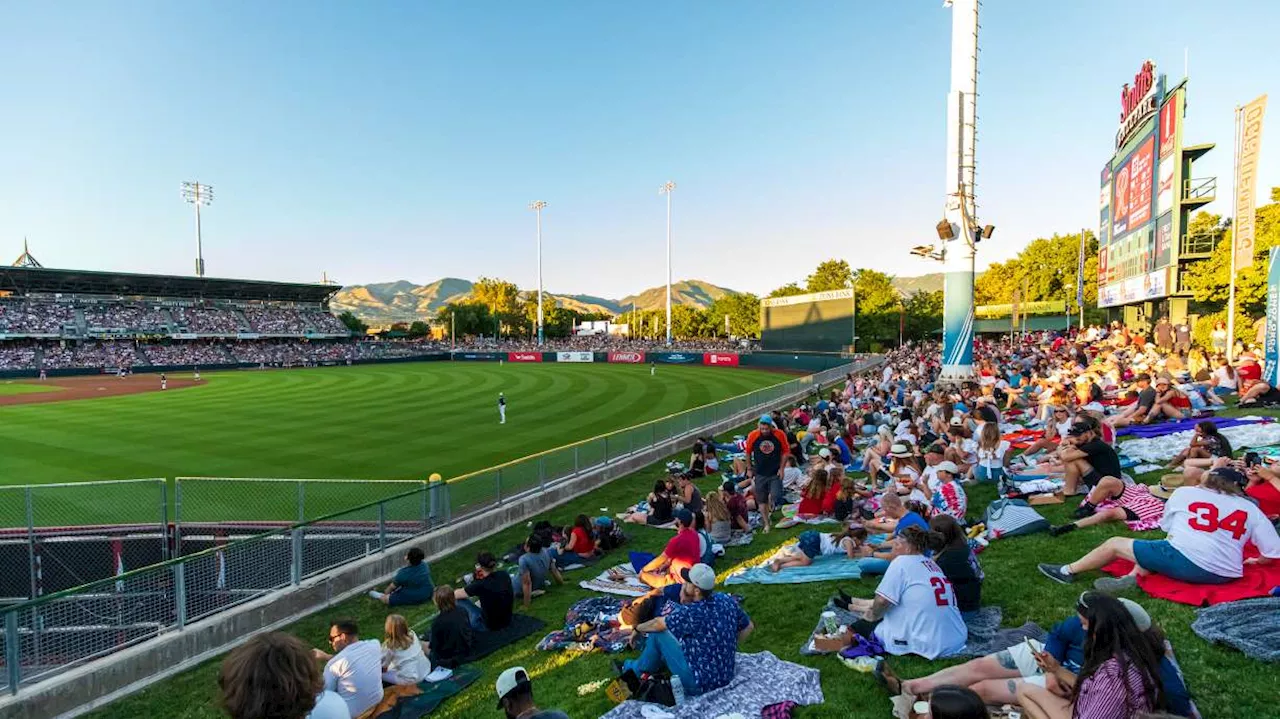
(398, 421)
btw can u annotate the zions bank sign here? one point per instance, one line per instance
(1138, 102)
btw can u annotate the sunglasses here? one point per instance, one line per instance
(334, 637)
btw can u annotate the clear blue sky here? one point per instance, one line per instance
(389, 140)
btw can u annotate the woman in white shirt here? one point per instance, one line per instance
(403, 661)
(993, 455)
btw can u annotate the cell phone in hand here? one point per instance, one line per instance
(1252, 459)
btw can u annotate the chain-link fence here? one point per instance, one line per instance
(222, 566)
(58, 536)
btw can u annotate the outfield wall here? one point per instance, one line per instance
(71, 687)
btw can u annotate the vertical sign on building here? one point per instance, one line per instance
(1271, 367)
(1247, 181)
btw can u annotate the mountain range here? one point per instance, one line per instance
(404, 301)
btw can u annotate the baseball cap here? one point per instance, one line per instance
(700, 576)
(1142, 376)
(510, 680)
(729, 486)
(824, 453)
(956, 420)
(766, 419)
(684, 517)
(947, 466)
(1232, 475)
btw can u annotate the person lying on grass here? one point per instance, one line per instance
(1116, 500)
(998, 677)
(1208, 527)
(812, 544)
(914, 610)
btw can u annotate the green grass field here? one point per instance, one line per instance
(9, 387)
(1223, 681)
(396, 421)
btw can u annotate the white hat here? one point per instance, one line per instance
(824, 453)
(509, 680)
(899, 450)
(700, 576)
(947, 466)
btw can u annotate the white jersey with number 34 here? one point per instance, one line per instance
(1211, 529)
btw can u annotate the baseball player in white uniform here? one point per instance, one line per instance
(502, 409)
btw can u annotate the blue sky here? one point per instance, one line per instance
(403, 140)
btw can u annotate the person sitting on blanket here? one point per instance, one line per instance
(661, 505)
(1086, 458)
(515, 697)
(1264, 488)
(688, 494)
(1054, 431)
(766, 446)
(1208, 527)
(993, 455)
(947, 495)
(706, 546)
(1116, 500)
(898, 516)
(534, 568)
(874, 457)
(951, 551)
(1139, 412)
(682, 551)
(998, 677)
(403, 658)
(493, 588)
(411, 584)
(1167, 395)
(579, 547)
(812, 544)
(1252, 388)
(914, 610)
(449, 642)
(697, 641)
(737, 506)
(354, 671)
(274, 676)
(961, 447)
(1207, 444)
(718, 520)
(813, 494)
(904, 470)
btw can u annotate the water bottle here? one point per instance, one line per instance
(677, 689)
(829, 624)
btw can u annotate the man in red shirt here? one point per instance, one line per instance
(1249, 375)
(765, 448)
(682, 552)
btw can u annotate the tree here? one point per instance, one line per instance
(830, 275)
(1210, 279)
(790, 289)
(743, 311)
(418, 328)
(353, 323)
(465, 318)
(878, 302)
(688, 322)
(1044, 270)
(503, 300)
(922, 315)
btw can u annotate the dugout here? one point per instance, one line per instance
(816, 322)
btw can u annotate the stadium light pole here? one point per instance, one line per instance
(667, 189)
(198, 194)
(537, 206)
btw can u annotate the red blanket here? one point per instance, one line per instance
(1257, 581)
(1023, 438)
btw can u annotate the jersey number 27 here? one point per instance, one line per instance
(940, 594)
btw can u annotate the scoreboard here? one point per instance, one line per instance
(817, 322)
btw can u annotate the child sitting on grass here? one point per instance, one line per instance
(812, 544)
(403, 658)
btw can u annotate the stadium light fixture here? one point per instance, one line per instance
(667, 189)
(198, 194)
(537, 206)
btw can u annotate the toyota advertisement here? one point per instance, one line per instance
(720, 359)
(626, 357)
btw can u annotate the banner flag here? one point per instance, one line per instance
(1247, 180)
(1080, 275)
(1271, 364)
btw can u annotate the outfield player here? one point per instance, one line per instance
(164, 381)
(196, 377)
(502, 409)
(653, 368)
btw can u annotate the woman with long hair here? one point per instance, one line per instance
(661, 506)
(814, 492)
(403, 661)
(1120, 676)
(716, 512)
(580, 546)
(451, 633)
(993, 455)
(952, 553)
(1207, 444)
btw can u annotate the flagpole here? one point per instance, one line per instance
(1235, 202)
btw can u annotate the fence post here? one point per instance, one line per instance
(436, 491)
(382, 526)
(164, 518)
(12, 655)
(180, 593)
(606, 449)
(177, 516)
(31, 543)
(295, 558)
(498, 483)
(542, 472)
(575, 460)
(448, 503)
(653, 434)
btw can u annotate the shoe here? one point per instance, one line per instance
(1112, 585)
(1084, 510)
(1061, 529)
(1054, 572)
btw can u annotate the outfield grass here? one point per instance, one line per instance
(10, 387)
(392, 421)
(1223, 681)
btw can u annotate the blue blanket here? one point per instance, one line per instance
(823, 569)
(1178, 425)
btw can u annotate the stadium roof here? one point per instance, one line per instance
(24, 280)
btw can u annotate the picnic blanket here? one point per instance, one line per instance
(630, 586)
(485, 643)
(823, 569)
(1257, 581)
(759, 680)
(985, 635)
(1182, 425)
(791, 517)
(419, 700)
(590, 625)
(1163, 448)
(1250, 625)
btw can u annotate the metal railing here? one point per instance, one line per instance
(1199, 188)
(1201, 243)
(45, 636)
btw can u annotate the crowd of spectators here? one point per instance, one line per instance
(207, 320)
(125, 318)
(323, 322)
(275, 320)
(29, 317)
(193, 352)
(14, 356)
(121, 354)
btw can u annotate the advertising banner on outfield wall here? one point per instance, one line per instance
(626, 357)
(720, 359)
(575, 357)
(674, 358)
(479, 356)
(524, 356)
